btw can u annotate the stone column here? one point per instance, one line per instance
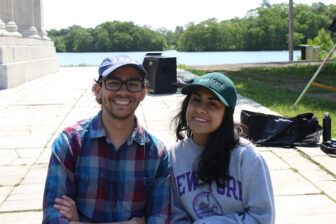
(3, 31)
(24, 16)
(7, 17)
(38, 19)
(24, 59)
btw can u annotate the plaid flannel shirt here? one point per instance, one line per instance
(108, 185)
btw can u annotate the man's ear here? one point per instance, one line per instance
(144, 92)
(96, 89)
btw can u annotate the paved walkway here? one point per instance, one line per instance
(32, 114)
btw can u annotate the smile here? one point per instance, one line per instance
(122, 102)
(200, 119)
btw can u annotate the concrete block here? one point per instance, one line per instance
(12, 175)
(14, 74)
(6, 55)
(288, 182)
(25, 59)
(30, 217)
(307, 209)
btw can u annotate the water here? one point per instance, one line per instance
(186, 58)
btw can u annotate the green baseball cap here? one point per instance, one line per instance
(219, 84)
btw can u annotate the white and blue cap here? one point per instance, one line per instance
(109, 65)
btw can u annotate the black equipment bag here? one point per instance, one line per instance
(273, 130)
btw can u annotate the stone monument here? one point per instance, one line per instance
(26, 52)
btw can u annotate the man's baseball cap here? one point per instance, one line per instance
(109, 65)
(217, 83)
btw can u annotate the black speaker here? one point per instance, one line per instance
(161, 74)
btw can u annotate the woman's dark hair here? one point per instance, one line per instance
(213, 163)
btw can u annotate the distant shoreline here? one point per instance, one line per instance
(234, 67)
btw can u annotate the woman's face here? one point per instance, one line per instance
(205, 113)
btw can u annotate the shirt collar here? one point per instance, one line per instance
(97, 130)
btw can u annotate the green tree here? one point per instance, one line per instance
(233, 32)
(263, 28)
(60, 44)
(126, 36)
(204, 36)
(170, 36)
(324, 41)
(267, 28)
(310, 19)
(83, 40)
(59, 39)
(102, 39)
(79, 39)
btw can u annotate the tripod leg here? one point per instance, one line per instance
(315, 75)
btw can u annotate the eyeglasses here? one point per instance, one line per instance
(115, 84)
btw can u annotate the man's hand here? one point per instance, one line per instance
(131, 221)
(136, 220)
(67, 207)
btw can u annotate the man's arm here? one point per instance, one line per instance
(60, 179)
(158, 205)
(67, 207)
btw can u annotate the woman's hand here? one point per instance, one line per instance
(67, 207)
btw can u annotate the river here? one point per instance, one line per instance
(186, 58)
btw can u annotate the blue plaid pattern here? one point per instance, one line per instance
(108, 185)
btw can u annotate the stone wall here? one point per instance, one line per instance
(26, 52)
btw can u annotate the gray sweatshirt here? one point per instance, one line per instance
(248, 197)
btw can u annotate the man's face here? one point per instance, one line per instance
(122, 103)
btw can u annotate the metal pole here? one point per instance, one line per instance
(315, 75)
(290, 30)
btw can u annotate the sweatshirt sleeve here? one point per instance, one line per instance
(178, 213)
(257, 185)
(258, 195)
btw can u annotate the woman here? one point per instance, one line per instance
(217, 176)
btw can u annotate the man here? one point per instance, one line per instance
(108, 168)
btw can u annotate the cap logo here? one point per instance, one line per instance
(214, 81)
(106, 62)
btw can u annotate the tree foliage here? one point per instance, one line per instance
(107, 37)
(263, 28)
(324, 41)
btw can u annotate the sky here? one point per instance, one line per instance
(156, 14)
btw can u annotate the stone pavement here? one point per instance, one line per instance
(32, 114)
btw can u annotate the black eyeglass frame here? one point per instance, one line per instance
(126, 83)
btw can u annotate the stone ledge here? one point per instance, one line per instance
(14, 54)
(14, 74)
(18, 41)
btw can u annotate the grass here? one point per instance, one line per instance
(278, 88)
